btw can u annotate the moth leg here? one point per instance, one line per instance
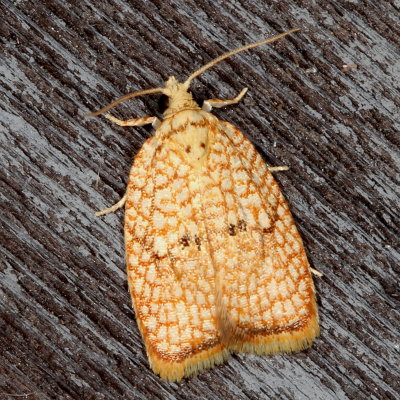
(315, 272)
(113, 208)
(217, 103)
(277, 169)
(136, 121)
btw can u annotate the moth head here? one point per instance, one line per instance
(179, 96)
(173, 85)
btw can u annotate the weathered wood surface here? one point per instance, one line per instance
(67, 329)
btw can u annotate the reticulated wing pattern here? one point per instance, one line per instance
(170, 272)
(265, 294)
(215, 262)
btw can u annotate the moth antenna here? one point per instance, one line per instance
(123, 98)
(233, 52)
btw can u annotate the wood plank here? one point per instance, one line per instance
(67, 330)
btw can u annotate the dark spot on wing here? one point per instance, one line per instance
(184, 240)
(197, 240)
(188, 148)
(232, 229)
(267, 230)
(242, 225)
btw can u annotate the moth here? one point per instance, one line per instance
(215, 263)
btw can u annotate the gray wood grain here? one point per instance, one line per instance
(67, 330)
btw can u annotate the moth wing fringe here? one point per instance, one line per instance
(174, 371)
(283, 342)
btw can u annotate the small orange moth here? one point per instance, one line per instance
(215, 263)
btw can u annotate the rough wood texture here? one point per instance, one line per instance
(67, 330)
